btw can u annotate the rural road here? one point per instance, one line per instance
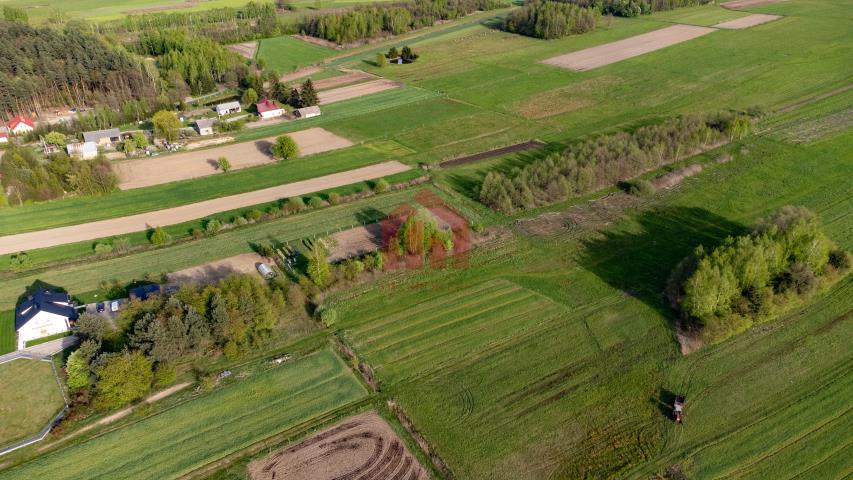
(194, 211)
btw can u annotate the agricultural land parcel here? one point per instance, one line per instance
(29, 399)
(541, 359)
(178, 440)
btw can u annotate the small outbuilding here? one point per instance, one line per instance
(204, 126)
(142, 292)
(307, 112)
(82, 150)
(43, 314)
(228, 108)
(103, 138)
(269, 109)
(4, 137)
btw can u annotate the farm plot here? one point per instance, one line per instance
(183, 166)
(246, 50)
(212, 272)
(286, 54)
(181, 439)
(185, 213)
(30, 397)
(355, 91)
(363, 446)
(748, 21)
(606, 54)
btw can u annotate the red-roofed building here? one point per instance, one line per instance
(4, 137)
(20, 125)
(269, 109)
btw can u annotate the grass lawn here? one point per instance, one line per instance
(178, 440)
(7, 330)
(39, 341)
(30, 397)
(285, 54)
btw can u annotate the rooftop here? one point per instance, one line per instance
(44, 300)
(267, 105)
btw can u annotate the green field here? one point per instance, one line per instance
(29, 399)
(178, 440)
(285, 54)
(7, 330)
(553, 357)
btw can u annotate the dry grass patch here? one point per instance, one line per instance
(214, 271)
(564, 99)
(246, 49)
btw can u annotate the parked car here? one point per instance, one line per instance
(265, 270)
(114, 306)
(100, 307)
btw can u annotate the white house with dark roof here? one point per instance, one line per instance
(43, 314)
(205, 126)
(227, 108)
(307, 112)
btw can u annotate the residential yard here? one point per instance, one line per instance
(29, 399)
(8, 340)
(178, 440)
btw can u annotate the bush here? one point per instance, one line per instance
(839, 259)
(284, 148)
(799, 278)
(334, 198)
(327, 315)
(164, 375)
(641, 188)
(381, 186)
(103, 248)
(159, 237)
(240, 221)
(254, 215)
(295, 205)
(315, 202)
(212, 227)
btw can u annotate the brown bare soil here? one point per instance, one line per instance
(355, 91)
(518, 147)
(671, 179)
(208, 142)
(747, 3)
(355, 242)
(302, 72)
(362, 447)
(246, 49)
(194, 211)
(212, 272)
(613, 52)
(747, 21)
(182, 166)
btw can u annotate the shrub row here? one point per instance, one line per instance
(606, 160)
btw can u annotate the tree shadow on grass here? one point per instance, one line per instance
(639, 262)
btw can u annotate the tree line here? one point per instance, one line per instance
(26, 178)
(373, 21)
(606, 160)
(43, 67)
(550, 20)
(633, 8)
(114, 368)
(749, 278)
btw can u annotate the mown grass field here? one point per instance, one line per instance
(285, 54)
(86, 276)
(7, 330)
(554, 357)
(178, 440)
(30, 398)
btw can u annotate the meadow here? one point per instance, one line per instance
(30, 398)
(178, 440)
(285, 54)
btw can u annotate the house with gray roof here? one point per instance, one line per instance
(227, 108)
(42, 314)
(103, 137)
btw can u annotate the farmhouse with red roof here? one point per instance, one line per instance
(269, 109)
(20, 125)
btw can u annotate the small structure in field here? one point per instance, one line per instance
(205, 126)
(307, 112)
(269, 109)
(265, 270)
(228, 108)
(82, 150)
(43, 314)
(103, 138)
(21, 125)
(4, 137)
(144, 291)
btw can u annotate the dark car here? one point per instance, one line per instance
(100, 307)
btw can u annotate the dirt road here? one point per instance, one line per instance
(747, 21)
(194, 211)
(214, 271)
(172, 168)
(613, 52)
(354, 91)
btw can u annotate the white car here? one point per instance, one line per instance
(114, 306)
